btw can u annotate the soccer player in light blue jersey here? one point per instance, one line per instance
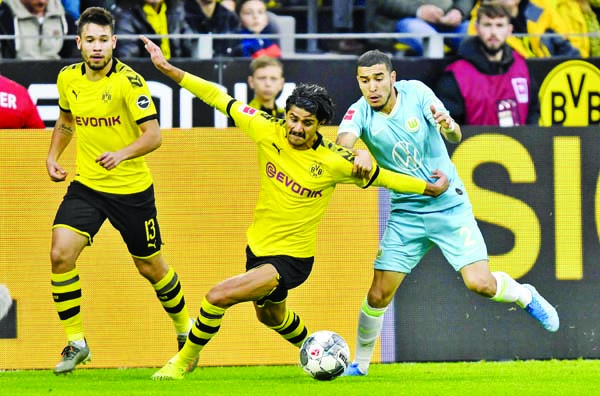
(403, 125)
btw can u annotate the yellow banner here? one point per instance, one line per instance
(205, 195)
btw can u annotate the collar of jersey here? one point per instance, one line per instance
(113, 68)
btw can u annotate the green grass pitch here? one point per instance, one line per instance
(516, 378)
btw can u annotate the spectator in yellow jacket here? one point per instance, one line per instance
(581, 18)
(534, 17)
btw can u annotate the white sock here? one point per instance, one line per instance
(509, 290)
(79, 343)
(370, 322)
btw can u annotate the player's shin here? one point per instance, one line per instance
(370, 323)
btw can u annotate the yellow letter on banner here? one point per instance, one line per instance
(567, 206)
(499, 209)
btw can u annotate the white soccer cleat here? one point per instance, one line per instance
(542, 310)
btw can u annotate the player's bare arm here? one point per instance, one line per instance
(61, 137)
(157, 57)
(149, 141)
(448, 127)
(363, 162)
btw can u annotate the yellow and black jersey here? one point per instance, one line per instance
(107, 114)
(277, 112)
(295, 185)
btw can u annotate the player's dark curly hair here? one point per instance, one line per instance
(374, 57)
(314, 99)
(97, 16)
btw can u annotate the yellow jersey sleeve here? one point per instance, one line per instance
(250, 120)
(398, 182)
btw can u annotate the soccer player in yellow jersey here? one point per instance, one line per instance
(299, 169)
(108, 106)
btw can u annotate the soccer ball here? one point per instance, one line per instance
(324, 355)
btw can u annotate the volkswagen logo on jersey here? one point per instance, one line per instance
(143, 102)
(406, 156)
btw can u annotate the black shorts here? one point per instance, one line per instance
(84, 210)
(293, 272)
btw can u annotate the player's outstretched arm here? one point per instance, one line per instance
(157, 57)
(208, 92)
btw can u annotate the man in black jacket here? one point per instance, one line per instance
(149, 17)
(210, 16)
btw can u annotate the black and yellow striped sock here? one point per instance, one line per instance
(66, 291)
(169, 293)
(292, 329)
(205, 328)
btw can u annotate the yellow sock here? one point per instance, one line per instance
(205, 328)
(170, 294)
(66, 290)
(292, 329)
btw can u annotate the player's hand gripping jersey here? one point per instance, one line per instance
(295, 185)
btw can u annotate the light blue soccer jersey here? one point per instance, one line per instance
(407, 141)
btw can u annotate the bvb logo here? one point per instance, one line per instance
(106, 96)
(569, 95)
(316, 170)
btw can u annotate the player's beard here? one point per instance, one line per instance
(97, 66)
(379, 108)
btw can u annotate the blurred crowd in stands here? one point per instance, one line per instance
(555, 27)
(487, 39)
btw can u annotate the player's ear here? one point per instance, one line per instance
(251, 82)
(114, 41)
(393, 76)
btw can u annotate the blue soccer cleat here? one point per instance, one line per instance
(353, 371)
(542, 311)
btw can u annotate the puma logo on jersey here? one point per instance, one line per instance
(277, 148)
(135, 81)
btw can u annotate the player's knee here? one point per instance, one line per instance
(484, 286)
(61, 261)
(379, 298)
(218, 297)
